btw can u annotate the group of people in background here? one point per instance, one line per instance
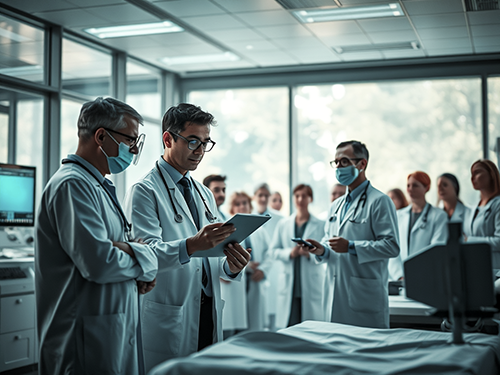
(93, 258)
(420, 225)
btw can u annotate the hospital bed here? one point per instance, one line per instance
(330, 348)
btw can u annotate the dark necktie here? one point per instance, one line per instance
(188, 196)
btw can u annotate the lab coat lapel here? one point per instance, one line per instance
(350, 211)
(420, 219)
(291, 229)
(178, 197)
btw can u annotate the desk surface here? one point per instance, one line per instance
(401, 305)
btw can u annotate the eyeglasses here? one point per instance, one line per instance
(194, 144)
(132, 143)
(343, 162)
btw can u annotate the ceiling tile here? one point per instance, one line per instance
(73, 18)
(392, 37)
(234, 35)
(247, 5)
(276, 56)
(447, 43)
(449, 51)
(484, 18)
(356, 56)
(233, 64)
(268, 18)
(129, 44)
(441, 20)
(122, 14)
(217, 22)
(314, 56)
(486, 41)
(175, 39)
(487, 49)
(256, 45)
(199, 49)
(346, 40)
(389, 24)
(302, 42)
(189, 8)
(443, 32)
(403, 54)
(424, 7)
(284, 31)
(485, 30)
(33, 6)
(334, 28)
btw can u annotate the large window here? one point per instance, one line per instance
(252, 138)
(85, 71)
(4, 134)
(70, 111)
(21, 50)
(432, 125)
(494, 118)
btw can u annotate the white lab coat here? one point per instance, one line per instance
(431, 228)
(271, 224)
(171, 312)
(361, 281)
(461, 213)
(312, 277)
(246, 309)
(486, 228)
(86, 291)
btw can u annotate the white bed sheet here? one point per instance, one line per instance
(329, 348)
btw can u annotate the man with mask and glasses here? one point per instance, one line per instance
(178, 216)
(87, 267)
(361, 234)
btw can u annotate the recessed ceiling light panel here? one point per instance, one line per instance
(352, 13)
(134, 30)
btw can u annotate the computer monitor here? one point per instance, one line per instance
(17, 195)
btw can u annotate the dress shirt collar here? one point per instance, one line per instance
(354, 194)
(174, 174)
(94, 170)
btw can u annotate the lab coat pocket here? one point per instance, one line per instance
(104, 343)
(162, 328)
(366, 295)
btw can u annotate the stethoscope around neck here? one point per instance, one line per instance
(126, 224)
(362, 198)
(424, 217)
(177, 216)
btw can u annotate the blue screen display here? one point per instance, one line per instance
(17, 195)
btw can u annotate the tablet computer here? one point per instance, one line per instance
(245, 225)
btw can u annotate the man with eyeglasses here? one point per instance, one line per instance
(361, 234)
(87, 266)
(177, 216)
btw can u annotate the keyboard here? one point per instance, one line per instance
(8, 273)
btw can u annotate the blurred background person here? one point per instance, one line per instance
(337, 191)
(420, 224)
(276, 201)
(398, 198)
(217, 185)
(448, 190)
(261, 197)
(483, 223)
(300, 293)
(245, 306)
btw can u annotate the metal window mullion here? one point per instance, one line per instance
(12, 134)
(119, 91)
(293, 135)
(484, 108)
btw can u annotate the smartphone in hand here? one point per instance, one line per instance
(302, 242)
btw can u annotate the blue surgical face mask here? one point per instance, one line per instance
(118, 164)
(347, 175)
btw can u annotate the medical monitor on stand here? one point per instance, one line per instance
(456, 279)
(17, 205)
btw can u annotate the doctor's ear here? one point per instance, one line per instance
(99, 136)
(363, 163)
(167, 139)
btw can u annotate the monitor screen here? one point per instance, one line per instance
(17, 195)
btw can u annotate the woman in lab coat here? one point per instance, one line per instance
(483, 224)
(420, 224)
(245, 301)
(301, 296)
(448, 190)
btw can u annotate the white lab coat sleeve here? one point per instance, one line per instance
(279, 249)
(142, 208)
(440, 233)
(384, 227)
(224, 275)
(493, 240)
(266, 262)
(146, 257)
(329, 255)
(84, 237)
